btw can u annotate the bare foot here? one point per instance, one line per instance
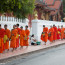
(8, 50)
(3, 52)
(51, 42)
(45, 44)
(27, 47)
(0, 53)
(21, 47)
(13, 50)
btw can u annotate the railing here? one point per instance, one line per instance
(11, 19)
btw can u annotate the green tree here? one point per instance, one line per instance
(20, 8)
(64, 6)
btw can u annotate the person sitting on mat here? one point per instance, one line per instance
(33, 40)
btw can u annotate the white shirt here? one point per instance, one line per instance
(32, 40)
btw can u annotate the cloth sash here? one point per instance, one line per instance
(17, 36)
(5, 38)
(25, 38)
(58, 32)
(43, 34)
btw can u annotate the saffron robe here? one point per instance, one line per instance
(6, 43)
(58, 33)
(27, 32)
(22, 35)
(45, 38)
(1, 40)
(13, 38)
(51, 31)
(42, 37)
(17, 39)
(55, 33)
(62, 33)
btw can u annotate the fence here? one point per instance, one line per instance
(37, 26)
(10, 21)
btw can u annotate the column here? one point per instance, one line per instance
(35, 28)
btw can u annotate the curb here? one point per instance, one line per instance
(36, 51)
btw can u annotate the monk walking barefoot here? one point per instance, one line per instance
(1, 39)
(13, 38)
(58, 33)
(50, 34)
(17, 37)
(6, 38)
(27, 32)
(62, 32)
(22, 36)
(55, 33)
(45, 34)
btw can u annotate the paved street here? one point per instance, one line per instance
(53, 56)
(30, 49)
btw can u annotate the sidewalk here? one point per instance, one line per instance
(30, 49)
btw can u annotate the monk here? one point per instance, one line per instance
(50, 34)
(42, 36)
(27, 32)
(55, 33)
(13, 38)
(45, 35)
(22, 36)
(18, 33)
(62, 32)
(58, 33)
(6, 38)
(1, 39)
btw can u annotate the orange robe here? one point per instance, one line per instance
(45, 38)
(8, 34)
(17, 39)
(22, 35)
(13, 38)
(58, 33)
(55, 33)
(42, 37)
(27, 32)
(62, 33)
(1, 40)
(51, 30)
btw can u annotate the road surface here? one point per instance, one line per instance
(53, 56)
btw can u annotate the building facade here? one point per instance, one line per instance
(48, 10)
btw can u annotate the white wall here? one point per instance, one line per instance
(10, 21)
(37, 26)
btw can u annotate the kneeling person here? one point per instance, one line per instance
(33, 40)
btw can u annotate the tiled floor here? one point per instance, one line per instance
(29, 49)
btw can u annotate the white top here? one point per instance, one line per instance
(32, 40)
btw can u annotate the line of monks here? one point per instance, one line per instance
(53, 33)
(13, 36)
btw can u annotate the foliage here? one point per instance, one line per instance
(20, 8)
(64, 6)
